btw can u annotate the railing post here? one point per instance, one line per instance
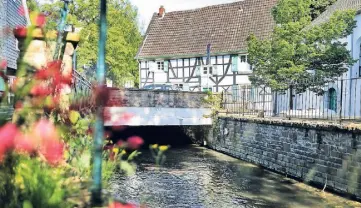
(275, 103)
(243, 99)
(61, 27)
(341, 97)
(96, 197)
(263, 101)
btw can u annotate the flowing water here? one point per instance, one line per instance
(197, 177)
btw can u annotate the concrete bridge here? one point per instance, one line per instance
(156, 108)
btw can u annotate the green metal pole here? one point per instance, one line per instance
(61, 27)
(99, 124)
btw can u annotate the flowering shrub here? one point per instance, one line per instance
(45, 150)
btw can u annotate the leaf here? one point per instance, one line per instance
(133, 155)
(27, 204)
(127, 167)
(74, 116)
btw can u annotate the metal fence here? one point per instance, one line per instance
(336, 100)
(80, 84)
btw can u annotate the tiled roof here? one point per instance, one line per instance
(225, 26)
(337, 6)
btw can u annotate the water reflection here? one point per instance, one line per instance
(198, 177)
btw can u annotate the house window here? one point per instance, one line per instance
(207, 70)
(243, 58)
(332, 99)
(160, 65)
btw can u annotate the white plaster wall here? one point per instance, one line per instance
(143, 116)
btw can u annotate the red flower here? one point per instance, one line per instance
(120, 143)
(135, 142)
(7, 136)
(39, 90)
(120, 205)
(50, 71)
(20, 31)
(3, 64)
(40, 20)
(53, 150)
(18, 105)
(89, 131)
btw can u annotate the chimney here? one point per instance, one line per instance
(161, 12)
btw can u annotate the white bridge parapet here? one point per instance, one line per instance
(150, 116)
(156, 108)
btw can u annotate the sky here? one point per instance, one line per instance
(146, 8)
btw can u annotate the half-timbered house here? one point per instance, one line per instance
(174, 50)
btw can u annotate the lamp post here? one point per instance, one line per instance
(61, 27)
(99, 124)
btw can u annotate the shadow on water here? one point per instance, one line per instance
(193, 176)
(170, 135)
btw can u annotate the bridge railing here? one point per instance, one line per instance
(80, 83)
(160, 99)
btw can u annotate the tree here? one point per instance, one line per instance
(319, 6)
(300, 55)
(32, 5)
(123, 35)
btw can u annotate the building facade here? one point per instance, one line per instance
(9, 49)
(203, 49)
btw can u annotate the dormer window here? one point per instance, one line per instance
(160, 65)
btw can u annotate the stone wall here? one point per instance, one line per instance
(160, 99)
(318, 153)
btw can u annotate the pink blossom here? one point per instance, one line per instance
(25, 143)
(120, 205)
(3, 64)
(53, 150)
(20, 31)
(40, 20)
(135, 142)
(7, 136)
(46, 130)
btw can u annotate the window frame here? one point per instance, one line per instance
(160, 65)
(332, 99)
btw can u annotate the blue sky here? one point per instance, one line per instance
(146, 8)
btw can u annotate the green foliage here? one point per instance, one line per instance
(298, 54)
(214, 101)
(158, 153)
(40, 186)
(8, 194)
(32, 5)
(319, 6)
(123, 36)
